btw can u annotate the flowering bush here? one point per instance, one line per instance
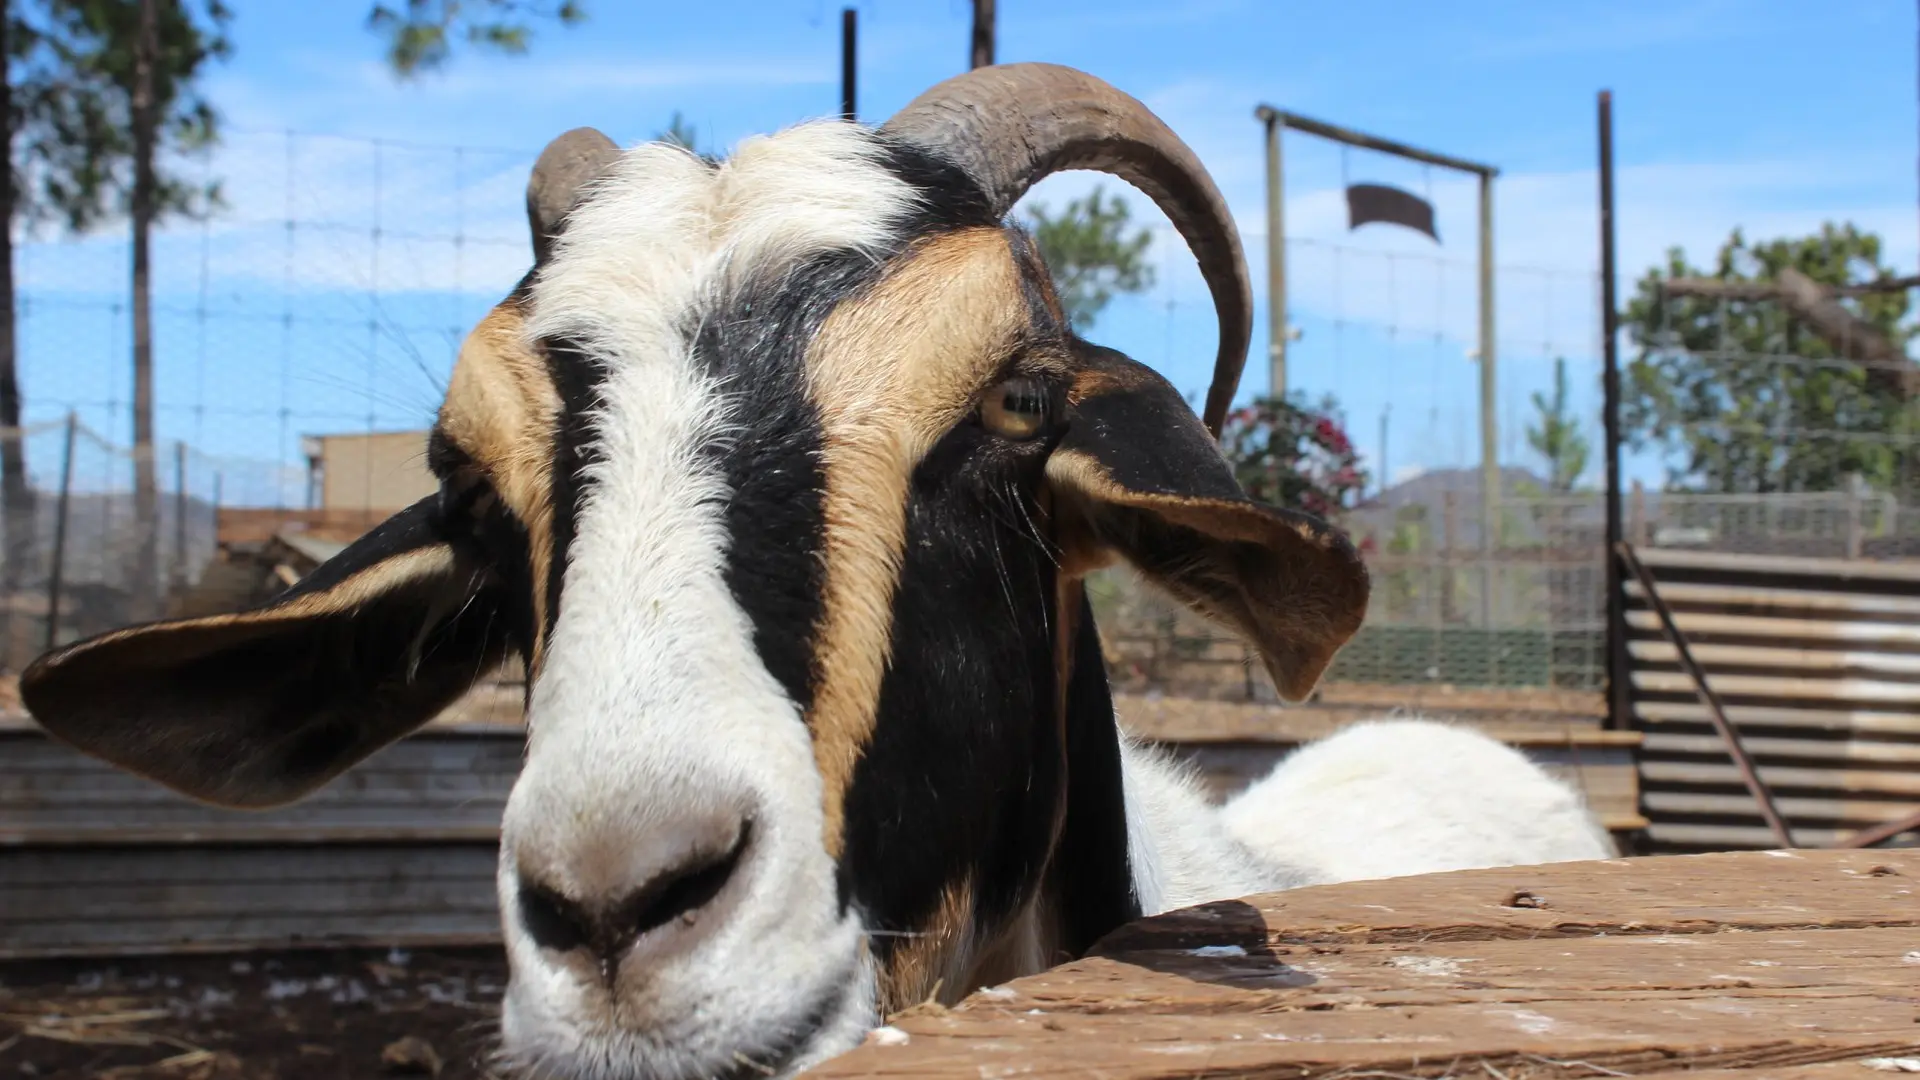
(1290, 455)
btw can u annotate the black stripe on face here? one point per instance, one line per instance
(773, 466)
(577, 378)
(962, 776)
(775, 515)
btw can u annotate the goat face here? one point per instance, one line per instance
(781, 475)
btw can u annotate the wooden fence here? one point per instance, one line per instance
(401, 849)
(1818, 662)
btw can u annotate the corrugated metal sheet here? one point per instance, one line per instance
(1818, 662)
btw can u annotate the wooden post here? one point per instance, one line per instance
(1489, 416)
(983, 33)
(1449, 544)
(1641, 532)
(849, 32)
(60, 532)
(1276, 257)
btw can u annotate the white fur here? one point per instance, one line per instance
(654, 721)
(1180, 849)
(1387, 798)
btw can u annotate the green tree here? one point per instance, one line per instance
(1093, 252)
(53, 116)
(679, 133)
(1556, 434)
(139, 60)
(1748, 398)
(419, 34)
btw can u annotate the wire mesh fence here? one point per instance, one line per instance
(304, 332)
(75, 544)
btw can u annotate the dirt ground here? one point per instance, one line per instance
(295, 1015)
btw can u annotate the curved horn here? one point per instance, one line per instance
(1009, 126)
(563, 169)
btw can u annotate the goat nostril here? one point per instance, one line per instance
(679, 893)
(564, 925)
(552, 920)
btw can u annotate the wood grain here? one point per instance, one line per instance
(1750, 964)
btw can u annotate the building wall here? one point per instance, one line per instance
(381, 471)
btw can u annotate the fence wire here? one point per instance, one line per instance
(326, 301)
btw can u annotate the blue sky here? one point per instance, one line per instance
(1764, 114)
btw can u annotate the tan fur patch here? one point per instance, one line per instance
(1298, 605)
(501, 409)
(931, 965)
(891, 372)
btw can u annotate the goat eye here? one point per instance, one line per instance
(1016, 408)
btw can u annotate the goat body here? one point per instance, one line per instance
(1392, 797)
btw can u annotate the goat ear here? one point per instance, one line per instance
(261, 707)
(1136, 476)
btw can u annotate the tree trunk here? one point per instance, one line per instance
(982, 33)
(16, 498)
(146, 500)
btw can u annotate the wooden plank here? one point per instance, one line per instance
(1553, 973)
(1868, 691)
(1850, 781)
(449, 787)
(1466, 699)
(1811, 662)
(1710, 837)
(1792, 566)
(1862, 721)
(291, 835)
(1194, 720)
(55, 901)
(1857, 812)
(252, 525)
(1847, 750)
(1681, 594)
(1859, 1068)
(1694, 623)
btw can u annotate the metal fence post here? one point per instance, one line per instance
(179, 517)
(60, 531)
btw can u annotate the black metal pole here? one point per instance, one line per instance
(849, 33)
(179, 516)
(60, 533)
(1619, 686)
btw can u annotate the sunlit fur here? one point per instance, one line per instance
(1390, 797)
(653, 702)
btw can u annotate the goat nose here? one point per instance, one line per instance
(607, 927)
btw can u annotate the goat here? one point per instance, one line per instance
(1394, 797)
(780, 475)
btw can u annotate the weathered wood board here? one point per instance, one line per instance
(1749, 964)
(376, 854)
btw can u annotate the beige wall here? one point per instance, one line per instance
(381, 471)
